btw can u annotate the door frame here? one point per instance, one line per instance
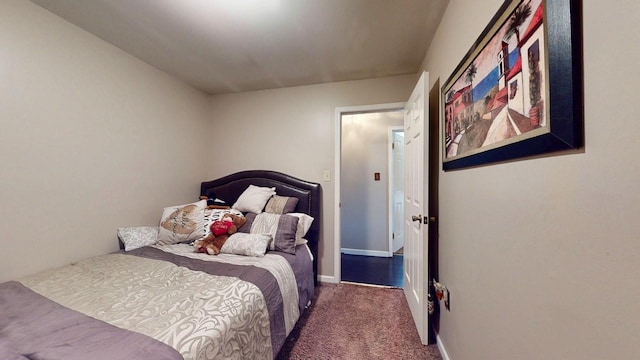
(347, 110)
(392, 179)
(433, 205)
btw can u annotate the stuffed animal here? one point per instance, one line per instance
(220, 232)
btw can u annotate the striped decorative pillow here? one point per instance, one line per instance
(281, 205)
(281, 227)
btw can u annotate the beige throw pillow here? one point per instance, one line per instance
(182, 223)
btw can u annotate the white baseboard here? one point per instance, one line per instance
(328, 279)
(443, 351)
(377, 253)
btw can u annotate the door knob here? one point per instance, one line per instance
(416, 218)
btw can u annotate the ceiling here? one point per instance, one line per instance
(224, 46)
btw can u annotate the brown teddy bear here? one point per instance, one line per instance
(220, 232)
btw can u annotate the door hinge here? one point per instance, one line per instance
(393, 236)
(393, 146)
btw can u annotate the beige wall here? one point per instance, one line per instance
(542, 257)
(292, 130)
(364, 202)
(90, 139)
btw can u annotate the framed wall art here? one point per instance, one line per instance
(518, 90)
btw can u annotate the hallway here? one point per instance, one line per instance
(387, 271)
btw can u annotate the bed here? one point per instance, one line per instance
(165, 301)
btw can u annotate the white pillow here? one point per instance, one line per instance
(137, 237)
(304, 224)
(246, 244)
(254, 198)
(182, 223)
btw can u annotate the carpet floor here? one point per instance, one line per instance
(357, 322)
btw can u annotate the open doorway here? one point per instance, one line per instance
(396, 190)
(371, 184)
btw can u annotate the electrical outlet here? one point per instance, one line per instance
(442, 293)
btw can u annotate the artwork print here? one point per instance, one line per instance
(518, 92)
(501, 93)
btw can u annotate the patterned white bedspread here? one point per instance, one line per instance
(202, 316)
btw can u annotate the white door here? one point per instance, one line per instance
(397, 191)
(415, 205)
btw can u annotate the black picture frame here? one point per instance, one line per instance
(559, 107)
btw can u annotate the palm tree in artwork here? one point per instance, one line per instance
(469, 75)
(519, 16)
(472, 70)
(450, 95)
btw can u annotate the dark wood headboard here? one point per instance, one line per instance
(309, 194)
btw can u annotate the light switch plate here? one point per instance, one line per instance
(326, 175)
